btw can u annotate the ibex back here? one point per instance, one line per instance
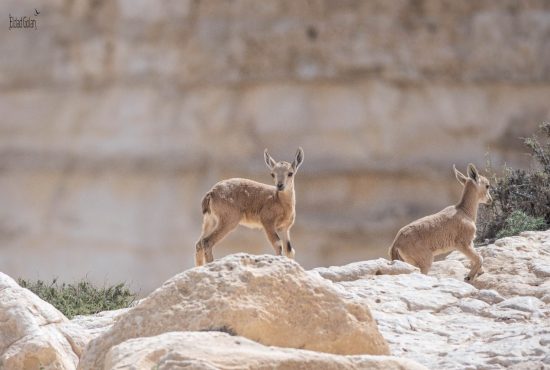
(452, 228)
(245, 202)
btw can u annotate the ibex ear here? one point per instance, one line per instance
(299, 159)
(268, 160)
(459, 176)
(472, 172)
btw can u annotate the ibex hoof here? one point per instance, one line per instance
(291, 254)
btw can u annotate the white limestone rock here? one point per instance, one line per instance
(443, 324)
(35, 335)
(357, 270)
(500, 320)
(266, 298)
(98, 323)
(513, 266)
(215, 350)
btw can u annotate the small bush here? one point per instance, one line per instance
(518, 222)
(81, 298)
(527, 191)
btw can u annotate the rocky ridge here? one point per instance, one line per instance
(267, 312)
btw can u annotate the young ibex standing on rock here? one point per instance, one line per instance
(452, 228)
(253, 204)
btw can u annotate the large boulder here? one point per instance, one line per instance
(35, 335)
(215, 350)
(268, 299)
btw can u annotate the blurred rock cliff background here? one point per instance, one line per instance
(117, 116)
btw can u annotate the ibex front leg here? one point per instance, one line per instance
(287, 246)
(273, 238)
(207, 243)
(476, 261)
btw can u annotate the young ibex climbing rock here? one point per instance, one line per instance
(453, 228)
(253, 204)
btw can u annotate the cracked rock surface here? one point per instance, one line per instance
(501, 320)
(514, 266)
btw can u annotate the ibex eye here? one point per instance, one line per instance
(290, 174)
(487, 186)
(273, 175)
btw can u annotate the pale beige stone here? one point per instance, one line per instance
(443, 322)
(98, 323)
(440, 321)
(268, 299)
(358, 270)
(514, 266)
(215, 350)
(34, 335)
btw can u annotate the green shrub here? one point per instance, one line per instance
(527, 191)
(81, 298)
(518, 222)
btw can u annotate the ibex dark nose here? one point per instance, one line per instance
(280, 186)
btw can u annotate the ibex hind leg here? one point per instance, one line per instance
(199, 254)
(219, 232)
(425, 261)
(209, 223)
(420, 258)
